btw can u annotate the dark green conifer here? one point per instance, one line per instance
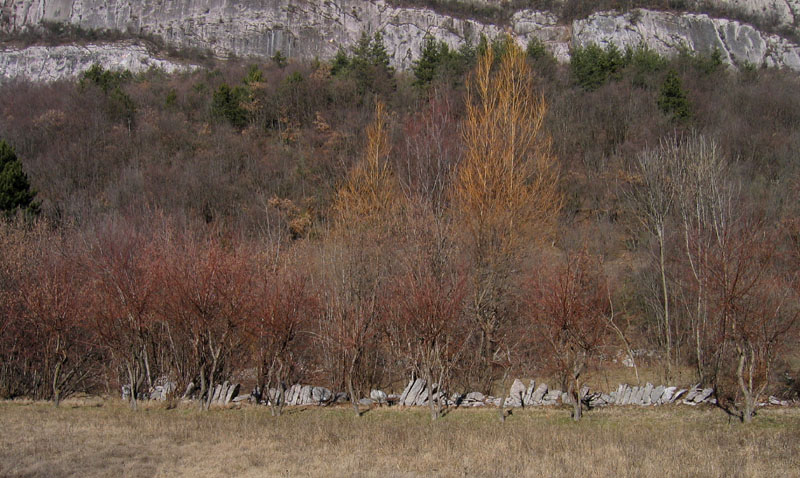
(672, 99)
(15, 189)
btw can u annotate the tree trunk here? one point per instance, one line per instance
(503, 397)
(747, 391)
(431, 402)
(147, 369)
(624, 339)
(699, 353)
(577, 407)
(132, 381)
(281, 398)
(665, 290)
(353, 399)
(747, 413)
(56, 388)
(211, 374)
(577, 370)
(350, 389)
(203, 384)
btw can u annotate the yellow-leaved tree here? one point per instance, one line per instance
(506, 193)
(358, 258)
(369, 195)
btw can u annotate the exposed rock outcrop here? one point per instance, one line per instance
(47, 64)
(318, 28)
(667, 33)
(299, 29)
(780, 12)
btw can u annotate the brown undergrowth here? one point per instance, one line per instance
(103, 438)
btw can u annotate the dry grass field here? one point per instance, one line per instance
(97, 438)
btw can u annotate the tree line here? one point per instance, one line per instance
(451, 251)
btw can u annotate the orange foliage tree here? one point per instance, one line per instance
(358, 257)
(506, 191)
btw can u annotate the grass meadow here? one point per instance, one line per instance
(101, 437)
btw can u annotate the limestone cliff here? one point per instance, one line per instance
(318, 28)
(666, 33)
(42, 63)
(779, 12)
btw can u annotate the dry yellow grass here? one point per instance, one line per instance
(103, 438)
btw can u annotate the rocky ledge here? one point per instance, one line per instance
(52, 63)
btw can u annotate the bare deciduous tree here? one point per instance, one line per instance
(568, 309)
(707, 205)
(284, 306)
(125, 290)
(208, 297)
(752, 305)
(57, 309)
(653, 192)
(426, 310)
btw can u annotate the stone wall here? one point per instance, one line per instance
(415, 394)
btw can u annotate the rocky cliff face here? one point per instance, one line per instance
(778, 12)
(318, 28)
(42, 63)
(301, 29)
(666, 33)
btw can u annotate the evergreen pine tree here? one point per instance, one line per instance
(425, 67)
(378, 55)
(369, 65)
(672, 99)
(227, 103)
(15, 190)
(341, 63)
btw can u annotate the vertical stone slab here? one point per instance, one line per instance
(632, 397)
(233, 391)
(189, 390)
(222, 393)
(404, 395)
(320, 395)
(669, 392)
(538, 394)
(646, 392)
(422, 396)
(692, 393)
(703, 395)
(293, 394)
(416, 389)
(215, 395)
(517, 393)
(679, 394)
(305, 395)
(527, 400)
(628, 394)
(655, 396)
(620, 398)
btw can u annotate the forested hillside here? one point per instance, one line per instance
(490, 212)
